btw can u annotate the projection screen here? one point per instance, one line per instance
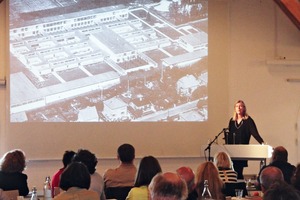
(105, 61)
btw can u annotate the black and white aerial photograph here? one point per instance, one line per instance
(108, 60)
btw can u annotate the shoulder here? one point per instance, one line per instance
(97, 176)
(250, 119)
(137, 191)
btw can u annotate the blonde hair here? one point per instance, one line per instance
(208, 171)
(245, 116)
(223, 160)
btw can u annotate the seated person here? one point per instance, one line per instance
(168, 186)
(224, 164)
(279, 159)
(208, 171)
(67, 159)
(124, 175)
(90, 161)
(187, 174)
(148, 168)
(268, 176)
(281, 190)
(75, 181)
(11, 176)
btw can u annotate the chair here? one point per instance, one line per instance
(229, 189)
(119, 193)
(11, 194)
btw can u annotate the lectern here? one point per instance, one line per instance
(241, 151)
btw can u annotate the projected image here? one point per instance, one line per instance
(106, 61)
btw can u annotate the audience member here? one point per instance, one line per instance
(75, 181)
(280, 160)
(224, 164)
(187, 174)
(124, 174)
(296, 178)
(168, 186)
(90, 160)
(268, 176)
(11, 174)
(280, 190)
(66, 160)
(208, 171)
(148, 168)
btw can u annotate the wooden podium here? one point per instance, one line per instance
(240, 151)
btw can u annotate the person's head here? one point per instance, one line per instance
(239, 109)
(13, 161)
(126, 153)
(222, 160)
(208, 171)
(187, 174)
(75, 174)
(268, 176)
(148, 168)
(87, 158)
(279, 154)
(168, 186)
(281, 190)
(68, 157)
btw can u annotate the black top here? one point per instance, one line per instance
(14, 181)
(193, 195)
(241, 133)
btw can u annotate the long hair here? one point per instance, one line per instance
(245, 115)
(148, 168)
(222, 160)
(13, 161)
(208, 171)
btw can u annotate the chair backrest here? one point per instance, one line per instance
(11, 194)
(119, 193)
(229, 189)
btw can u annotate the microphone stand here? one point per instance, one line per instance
(209, 145)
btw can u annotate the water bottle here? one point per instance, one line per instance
(206, 193)
(34, 194)
(47, 188)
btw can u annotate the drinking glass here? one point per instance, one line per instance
(239, 193)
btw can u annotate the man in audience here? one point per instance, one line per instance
(281, 190)
(124, 174)
(268, 176)
(168, 186)
(187, 174)
(120, 180)
(280, 160)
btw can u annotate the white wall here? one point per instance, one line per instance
(258, 31)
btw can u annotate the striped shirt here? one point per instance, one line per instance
(228, 175)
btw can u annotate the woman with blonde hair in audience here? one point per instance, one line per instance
(11, 173)
(148, 168)
(224, 164)
(208, 171)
